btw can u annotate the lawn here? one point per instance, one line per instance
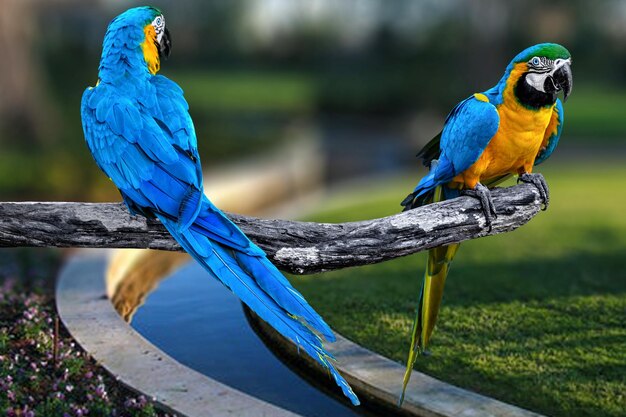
(596, 112)
(536, 317)
(593, 111)
(247, 91)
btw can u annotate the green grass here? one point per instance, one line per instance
(536, 317)
(592, 111)
(247, 91)
(596, 113)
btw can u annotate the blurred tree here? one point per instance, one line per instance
(24, 110)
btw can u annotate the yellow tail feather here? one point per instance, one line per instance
(439, 260)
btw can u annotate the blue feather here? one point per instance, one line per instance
(224, 264)
(468, 129)
(189, 208)
(139, 131)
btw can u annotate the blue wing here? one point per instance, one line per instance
(147, 146)
(554, 135)
(145, 142)
(466, 133)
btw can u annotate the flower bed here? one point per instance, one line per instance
(42, 371)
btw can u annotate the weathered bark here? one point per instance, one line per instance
(297, 247)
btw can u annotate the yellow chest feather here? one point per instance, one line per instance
(517, 141)
(515, 145)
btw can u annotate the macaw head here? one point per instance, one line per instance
(540, 72)
(138, 34)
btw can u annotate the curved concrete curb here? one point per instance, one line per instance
(91, 319)
(378, 381)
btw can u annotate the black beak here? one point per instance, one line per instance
(563, 80)
(165, 46)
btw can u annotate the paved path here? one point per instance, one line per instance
(89, 316)
(91, 319)
(378, 382)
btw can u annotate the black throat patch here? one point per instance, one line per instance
(531, 97)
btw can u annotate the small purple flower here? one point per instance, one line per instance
(28, 314)
(89, 375)
(100, 391)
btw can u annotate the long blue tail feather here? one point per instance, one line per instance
(255, 281)
(279, 288)
(138, 128)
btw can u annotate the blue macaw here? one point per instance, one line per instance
(137, 126)
(486, 138)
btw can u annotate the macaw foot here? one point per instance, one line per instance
(540, 182)
(483, 194)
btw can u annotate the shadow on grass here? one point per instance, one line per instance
(580, 273)
(523, 320)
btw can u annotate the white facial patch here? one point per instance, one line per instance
(541, 69)
(537, 81)
(159, 27)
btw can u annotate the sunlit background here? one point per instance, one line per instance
(333, 99)
(369, 81)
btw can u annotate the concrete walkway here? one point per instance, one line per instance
(90, 318)
(378, 381)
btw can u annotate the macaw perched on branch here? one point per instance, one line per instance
(138, 128)
(486, 138)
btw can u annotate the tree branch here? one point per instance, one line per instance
(297, 247)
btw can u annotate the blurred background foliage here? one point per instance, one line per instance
(370, 82)
(372, 79)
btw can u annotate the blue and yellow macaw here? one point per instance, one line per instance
(137, 126)
(488, 137)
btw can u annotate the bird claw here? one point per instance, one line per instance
(483, 195)
(540, 183)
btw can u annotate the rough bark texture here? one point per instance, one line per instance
(297, 247)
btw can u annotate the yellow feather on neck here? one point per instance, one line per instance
(150, 51)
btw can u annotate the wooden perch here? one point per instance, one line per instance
(297, 247)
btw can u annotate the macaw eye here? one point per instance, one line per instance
(535, 61)
(158, 21)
